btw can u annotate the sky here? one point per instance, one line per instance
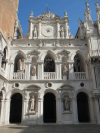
(75, 10)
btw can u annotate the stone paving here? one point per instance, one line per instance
(15, 128)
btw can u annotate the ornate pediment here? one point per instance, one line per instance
(48, 15)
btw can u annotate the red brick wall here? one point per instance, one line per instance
(7, 17)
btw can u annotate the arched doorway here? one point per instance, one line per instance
(83, 108)
(49, 110)
(16, 108)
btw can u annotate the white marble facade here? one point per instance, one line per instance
(48, 60)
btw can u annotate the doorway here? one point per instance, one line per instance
(16, 108)
(83, 107)
(49, 109)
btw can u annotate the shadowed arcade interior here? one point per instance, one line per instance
(49, 112)
(16, 108)
(83, 107)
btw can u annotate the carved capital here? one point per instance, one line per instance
(96, 96)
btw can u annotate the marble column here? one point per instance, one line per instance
(25, 110)
(91, 110)
(58, 70)
(71, 70)
(11, 70)
(58, 29)
(40, 111)
(31, 30)
(39, 29)
(27, 69)
(40, 70)
(75, 111)
(7, 111)
(97, 111)
(66, 29)
(2, 112)
(58, 111)
(93, 75)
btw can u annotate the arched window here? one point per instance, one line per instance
(19, 63)
(49, 64)
(79, 65)
(4, 59)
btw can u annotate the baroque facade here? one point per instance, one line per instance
(47, 76)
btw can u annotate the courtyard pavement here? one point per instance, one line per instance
(15, 128)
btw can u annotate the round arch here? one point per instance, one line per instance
(83, 107)
(51, 53)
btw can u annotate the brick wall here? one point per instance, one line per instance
(7, 17)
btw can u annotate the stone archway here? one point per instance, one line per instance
(16, 108)
(49, 108)
(83, 107)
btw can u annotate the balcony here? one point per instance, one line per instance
(52, 76)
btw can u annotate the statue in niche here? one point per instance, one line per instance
(35, 32)
(32, 104)
(62, 32)
(65, 70)
(21, 65)
(33, 70)
(66, 103)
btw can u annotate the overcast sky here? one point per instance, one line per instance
(74, 8)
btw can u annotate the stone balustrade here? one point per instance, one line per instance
(80, 75)
(18, 75)
(94, 52)
(50, 75)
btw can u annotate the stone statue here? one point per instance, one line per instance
(21, 65)
(66, 103)
(65, 70)
(35, 32)
(33, 70)
(96, 4)
(32, 103)
(62, 32)
(87, 5)
(65, 13)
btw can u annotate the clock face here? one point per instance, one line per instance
(48, 30)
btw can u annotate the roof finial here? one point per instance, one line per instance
(87, 5)
(65, 13)
(96, 4)
(47, 9)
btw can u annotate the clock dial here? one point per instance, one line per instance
(48, 30)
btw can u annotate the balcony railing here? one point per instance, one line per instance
(94, 52)
(80, 75)
(49, 75)
(18, 75)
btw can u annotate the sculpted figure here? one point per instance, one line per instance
(66, 103)
(35, 32)
(33, 70)
(19, 64)
(65, 70)
(62, 32)
(23, 65)
(32, 103)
